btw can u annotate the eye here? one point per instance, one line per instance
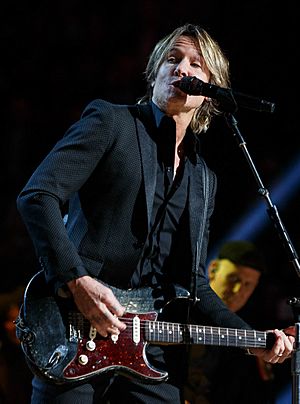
(233, 278)
(171, 59)
(197, 65)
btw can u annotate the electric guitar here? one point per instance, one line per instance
(61, 345)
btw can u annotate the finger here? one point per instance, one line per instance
(288, 341)
(112, 320)
(112, 302)
(290, 331)
(106, 329)
(277, 358)
(292, 341)
(113, 330)
(117, 309)
(116, 323)
(283, 346)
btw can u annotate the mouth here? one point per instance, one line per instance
(179, 91)
(175, 83)
(228, 296)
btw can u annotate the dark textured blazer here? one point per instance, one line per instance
(104, 171)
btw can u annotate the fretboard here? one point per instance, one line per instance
(174, 333)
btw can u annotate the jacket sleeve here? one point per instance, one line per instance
(59, 176)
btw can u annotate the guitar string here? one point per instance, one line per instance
(209, 333)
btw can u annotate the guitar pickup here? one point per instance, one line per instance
(136, 332)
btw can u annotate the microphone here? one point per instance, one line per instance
(228, 99)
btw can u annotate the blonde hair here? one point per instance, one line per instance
(215, 60)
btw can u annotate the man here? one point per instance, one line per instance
(236, 272)
(225, 375)
(139, 198)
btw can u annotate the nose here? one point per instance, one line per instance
(181, 69)
(236, 287)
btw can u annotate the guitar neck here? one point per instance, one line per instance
(174, 333)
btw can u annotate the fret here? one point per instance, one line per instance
(179, 333)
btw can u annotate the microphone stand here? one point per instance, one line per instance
(288, 246)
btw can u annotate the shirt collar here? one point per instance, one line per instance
(191, 140)
(158, 114)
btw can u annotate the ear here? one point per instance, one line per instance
(212, 269)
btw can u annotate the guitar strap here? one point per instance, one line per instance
(196, 268)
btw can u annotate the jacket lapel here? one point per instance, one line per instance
(148, 154)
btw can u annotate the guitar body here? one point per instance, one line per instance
(55, 336)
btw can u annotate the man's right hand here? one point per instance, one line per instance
(98, 304)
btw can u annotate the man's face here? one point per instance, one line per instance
(183, 59)
(234, 284)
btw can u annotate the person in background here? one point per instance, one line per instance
(219, 375)
(139, 198)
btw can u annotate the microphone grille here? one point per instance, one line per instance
(189, 85)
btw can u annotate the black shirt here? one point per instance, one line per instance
(166, 249)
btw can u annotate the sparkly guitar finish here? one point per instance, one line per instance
(61, 345)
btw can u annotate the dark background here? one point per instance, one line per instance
(56, 56)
